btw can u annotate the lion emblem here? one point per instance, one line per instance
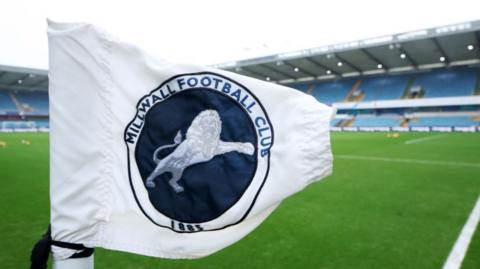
(202, 144)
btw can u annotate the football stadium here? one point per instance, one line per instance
(405, 188)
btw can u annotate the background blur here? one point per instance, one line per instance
(404, 77)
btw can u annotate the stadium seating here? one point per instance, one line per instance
(17, 124)
(459, 81)
(383, 88)
(452, 82)
(303, 87)
(6, 102)
(333, 91)
(440, 83)
(335, 122)
(28, 124)
(42, 124)
(376, 121)
(455, 121)
(33, 102)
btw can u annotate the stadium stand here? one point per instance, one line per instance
(303, 87)
(440, 121)
(376, 121)
(370, 86)
(442, 83)
(333, 91)
(449, 82)
(386, 82)
(24, 124)
(335, 122)
(6, 103)
(383, 88)
(17, 124)
(33, 102)
(42, 123)
(23, 110)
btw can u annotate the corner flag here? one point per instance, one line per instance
(167, 160)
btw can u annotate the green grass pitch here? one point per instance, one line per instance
(377, 213)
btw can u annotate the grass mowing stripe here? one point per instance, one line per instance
(418, 140)
(414, 161)
(455, 258)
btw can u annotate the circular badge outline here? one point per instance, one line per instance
(247, 212)
(252, 125)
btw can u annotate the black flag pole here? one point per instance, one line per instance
(81, 259)
(41, 251)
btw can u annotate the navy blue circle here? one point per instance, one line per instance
(210, 188)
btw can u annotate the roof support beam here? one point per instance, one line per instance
(300, 70)
(39, 82)
(442, 51)
(316, 63)
(371, 56)
(15, 82)
(477, 35)
(20, 87)
(277, 71)
(352, 66)
(254, 73)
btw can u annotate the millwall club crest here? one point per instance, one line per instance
(198, 152)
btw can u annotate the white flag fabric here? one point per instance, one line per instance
(168, 160)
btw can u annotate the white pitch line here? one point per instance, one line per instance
(414, 161)
(456, 256)
(417, 140)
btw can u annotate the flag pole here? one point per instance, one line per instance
(81, 259)
(74, 263)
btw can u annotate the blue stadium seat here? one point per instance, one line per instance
(333, 91)
(17, 125)
(376, 121)
(383, 88)
(36, 100)
(444, 121)
(303, 87)
(443, 83)
(42, 124)
(334, 122)
(6, 102)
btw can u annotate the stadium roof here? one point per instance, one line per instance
(450, 45)
(20, 78)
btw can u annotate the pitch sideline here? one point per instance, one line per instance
(457, 254)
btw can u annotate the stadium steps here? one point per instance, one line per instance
(404, 122)
(346, 123)
(310, 89)
(350, 97)
(410, 120)
(412, 83)
(16, 102)
(406, 93)
(358, 98)
(477, 86)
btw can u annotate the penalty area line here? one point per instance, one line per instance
(457, 254)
